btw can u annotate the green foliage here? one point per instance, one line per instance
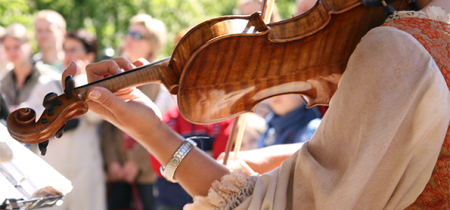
(13, 11)
(109, 19)
(287, 8)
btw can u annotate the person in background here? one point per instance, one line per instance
(19, 83)
(50, 30)
(80, 47)
(3, 60)
(289, 122)
(126, 161)
(77, 155)
(146, 38)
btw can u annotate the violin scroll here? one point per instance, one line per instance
(22, 124)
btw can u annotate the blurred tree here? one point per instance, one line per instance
(108, 19)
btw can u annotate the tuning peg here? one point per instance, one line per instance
(413, 4)
(69, 86)
(60, 132)
(43, 147)
(50, 102)
(388, 10)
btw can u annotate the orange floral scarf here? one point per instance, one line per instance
(435, 37)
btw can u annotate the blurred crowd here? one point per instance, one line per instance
(107, 167)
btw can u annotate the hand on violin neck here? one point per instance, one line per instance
(109, 68)
(128, 109)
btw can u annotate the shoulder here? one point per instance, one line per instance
(388, 40)
(386, 55)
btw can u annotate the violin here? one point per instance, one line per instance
(218, 70)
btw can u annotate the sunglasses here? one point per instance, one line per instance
(135, 35)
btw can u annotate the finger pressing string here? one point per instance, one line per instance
(124, 63)
(102, 69)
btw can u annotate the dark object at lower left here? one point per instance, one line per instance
(21, 204)
(43, 147)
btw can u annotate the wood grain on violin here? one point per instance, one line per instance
(225, 66)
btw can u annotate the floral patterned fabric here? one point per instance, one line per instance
(435, 37)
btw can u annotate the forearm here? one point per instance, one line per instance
(195, 173)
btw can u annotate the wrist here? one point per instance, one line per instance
(168, 171)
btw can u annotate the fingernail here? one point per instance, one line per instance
(71, 64)
(131, 66)
(95, 94)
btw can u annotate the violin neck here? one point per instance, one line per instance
(156, 72)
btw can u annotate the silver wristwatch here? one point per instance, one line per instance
(169, 170)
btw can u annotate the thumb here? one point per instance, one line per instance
(107, 100)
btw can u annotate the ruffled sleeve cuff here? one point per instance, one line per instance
(230, 191)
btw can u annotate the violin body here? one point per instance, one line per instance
(225, 66)
(305, 55)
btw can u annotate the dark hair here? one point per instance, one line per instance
(89, 41)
